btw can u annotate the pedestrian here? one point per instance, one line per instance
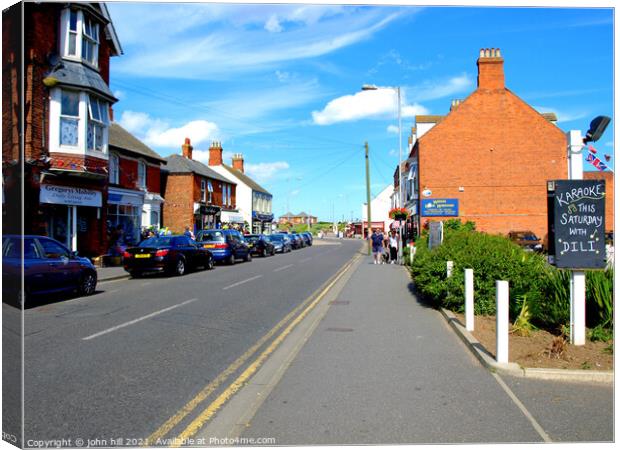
(377, 245)
(394, 238)
(188, 232)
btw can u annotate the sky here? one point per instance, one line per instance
(281, 83)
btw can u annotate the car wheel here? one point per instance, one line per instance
(265, 253)
(180, 267)
(210, 264)
(135, 274)
(231, 259)
(88, 284)
(248, 257)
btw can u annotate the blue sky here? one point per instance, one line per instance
(281, 83)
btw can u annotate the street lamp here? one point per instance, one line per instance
(372, 87)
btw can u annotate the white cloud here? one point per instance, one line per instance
(393, 152)
(264, 171)
(273, 25)
(294, 192)
(609, 144)
(563, 116)
(119, 94)
(379, 103)
(392, 129)
(158, 133)
(432, 90)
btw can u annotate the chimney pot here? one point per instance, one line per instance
(237, 162)
(491, 70)
(187, 149)
(215, 154)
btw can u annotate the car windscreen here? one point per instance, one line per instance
(251, 238)
(276, 237)
(211, 236)
(156, 242)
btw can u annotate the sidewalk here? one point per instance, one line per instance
(382, 368)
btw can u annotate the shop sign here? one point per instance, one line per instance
(65, 195)
(440, 207)
(576, 223)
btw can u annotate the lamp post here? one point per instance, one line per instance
(372, 87)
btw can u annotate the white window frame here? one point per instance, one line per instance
(224, 197)
(141, 181)
(229, 187)
(99, 122)
(113, 166)
(210, 191)
(203, 190)
(84, 120)
(80, 36)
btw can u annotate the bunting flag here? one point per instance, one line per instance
(600, 165)
(592, 149)
(607, 157)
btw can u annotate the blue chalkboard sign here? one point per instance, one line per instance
(576, 210)
(440, 207)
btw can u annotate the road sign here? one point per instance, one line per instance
(576, 221)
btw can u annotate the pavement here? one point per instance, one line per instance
(377, 366)
(111, 273)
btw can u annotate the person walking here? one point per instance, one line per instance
(394, 238)
(377, 245)
(188, 233)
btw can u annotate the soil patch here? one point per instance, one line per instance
(542, 349)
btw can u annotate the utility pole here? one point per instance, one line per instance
(368, 197)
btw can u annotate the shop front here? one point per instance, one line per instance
(232, 218)
(206, 217)
(71, 215)
(124, 216)
(151, 211)
(261, 223)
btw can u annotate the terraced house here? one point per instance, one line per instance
(62, 137)
(254, 201)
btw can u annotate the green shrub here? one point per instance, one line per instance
(491, 257)
(600, 333)
(600, 297)
(552, 309)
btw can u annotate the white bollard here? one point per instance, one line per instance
(469, 299)
(449, 267)
(502, 321)
(578, 307)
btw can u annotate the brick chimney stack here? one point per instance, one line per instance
(187, 149)
(237, 162)
(490, 69)
(215, 154)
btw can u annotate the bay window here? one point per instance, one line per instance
(79, 36)
(69, 118)
(97, 123)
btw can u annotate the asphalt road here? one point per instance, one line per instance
(113, 367)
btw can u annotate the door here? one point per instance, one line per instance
(35, 267)
(63, 269)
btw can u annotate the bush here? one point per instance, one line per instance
(491, 257)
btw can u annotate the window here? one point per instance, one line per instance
(80, 36)
(141, 174)
(203, 190)
(97, 123)
(224, 197)
(69, 118)
(52, 249)
(230, 203)
(210, 189)
(113, 168)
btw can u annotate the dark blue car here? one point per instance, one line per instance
(225, 245)
(49, 267)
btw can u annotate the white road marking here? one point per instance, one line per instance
(283, 267)
(242, 282)
(520, 405)
(305, 259)
(148, 316)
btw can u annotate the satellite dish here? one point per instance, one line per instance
(597, 128)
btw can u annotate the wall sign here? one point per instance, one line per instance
(427, 192)
(576, 221)
(440, 207)
(65, 195)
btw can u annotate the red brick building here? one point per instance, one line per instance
(62, 153)
(488, 159)
(296, 219)
(195, 195)
(134, 192)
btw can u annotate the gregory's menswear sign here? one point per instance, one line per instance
(440, 207)
(65, 195)
(576, 211)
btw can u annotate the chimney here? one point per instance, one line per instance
(455, 104)
(215, 154)
(490, 69)
(187, 149)
(237, 162)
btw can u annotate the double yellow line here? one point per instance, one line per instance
(210, 411)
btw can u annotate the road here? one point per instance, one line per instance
(122, 363)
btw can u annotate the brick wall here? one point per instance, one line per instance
(153, 179)
(501, 152)
(609, 195)
(178, 210)
(11, 74)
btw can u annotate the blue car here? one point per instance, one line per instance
(49, 267)
(225, 245)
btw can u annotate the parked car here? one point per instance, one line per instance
(307, 236)
(281, 242)
(49, 267)
(297, 241)
(260, 245)
(170, 254)
(225, 245)
(526, 239)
